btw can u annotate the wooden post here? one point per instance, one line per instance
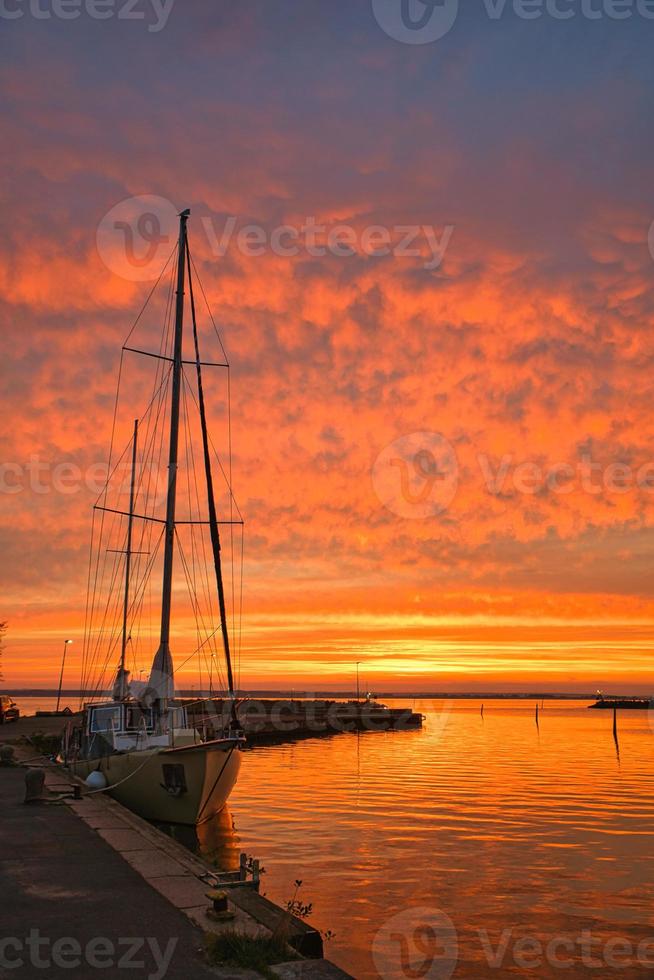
(615, 734)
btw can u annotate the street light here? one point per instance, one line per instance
(358, 662)
(61, 675)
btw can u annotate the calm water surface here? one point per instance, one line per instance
(510, 830)
(29, 705)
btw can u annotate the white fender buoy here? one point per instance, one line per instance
(96, 780)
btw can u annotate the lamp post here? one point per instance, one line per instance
(61, 675)
(358, 662)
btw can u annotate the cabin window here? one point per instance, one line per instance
(174, 779)
(105, 719)
(139, 719)
(178, 718)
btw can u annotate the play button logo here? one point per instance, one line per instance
(416, 21)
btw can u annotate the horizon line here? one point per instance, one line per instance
(318, 694)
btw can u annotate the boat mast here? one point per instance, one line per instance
(213, 517)
(122, 687)
(161, 675)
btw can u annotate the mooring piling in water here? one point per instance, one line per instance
(615, 734)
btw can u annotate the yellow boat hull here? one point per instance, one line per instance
(184, 785)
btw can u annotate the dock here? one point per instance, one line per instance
(86, 881)
(263, 720)
(280, 719)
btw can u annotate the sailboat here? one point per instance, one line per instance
(138, 744)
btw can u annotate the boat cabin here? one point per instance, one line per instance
(121, 726)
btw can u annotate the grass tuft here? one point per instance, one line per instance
(233, 948)
(47, 745)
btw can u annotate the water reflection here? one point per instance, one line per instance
(508, 828)
(216, 840)
(219, 842)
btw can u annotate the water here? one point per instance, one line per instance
(506, 830)
(30, 705)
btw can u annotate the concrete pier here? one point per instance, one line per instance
(279, 719)
(87, 881)
(30, 725)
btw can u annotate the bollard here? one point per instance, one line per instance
(219, 910)
(34, 783)
(7, 756)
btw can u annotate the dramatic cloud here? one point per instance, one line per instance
(527, 350)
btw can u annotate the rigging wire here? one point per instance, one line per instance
(103, 608)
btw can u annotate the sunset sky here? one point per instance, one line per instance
(446, 470)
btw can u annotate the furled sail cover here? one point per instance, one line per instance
(161, 685)
(121, 685)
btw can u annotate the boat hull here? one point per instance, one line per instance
(182, 785)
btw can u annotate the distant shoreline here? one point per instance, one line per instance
(318, 695)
